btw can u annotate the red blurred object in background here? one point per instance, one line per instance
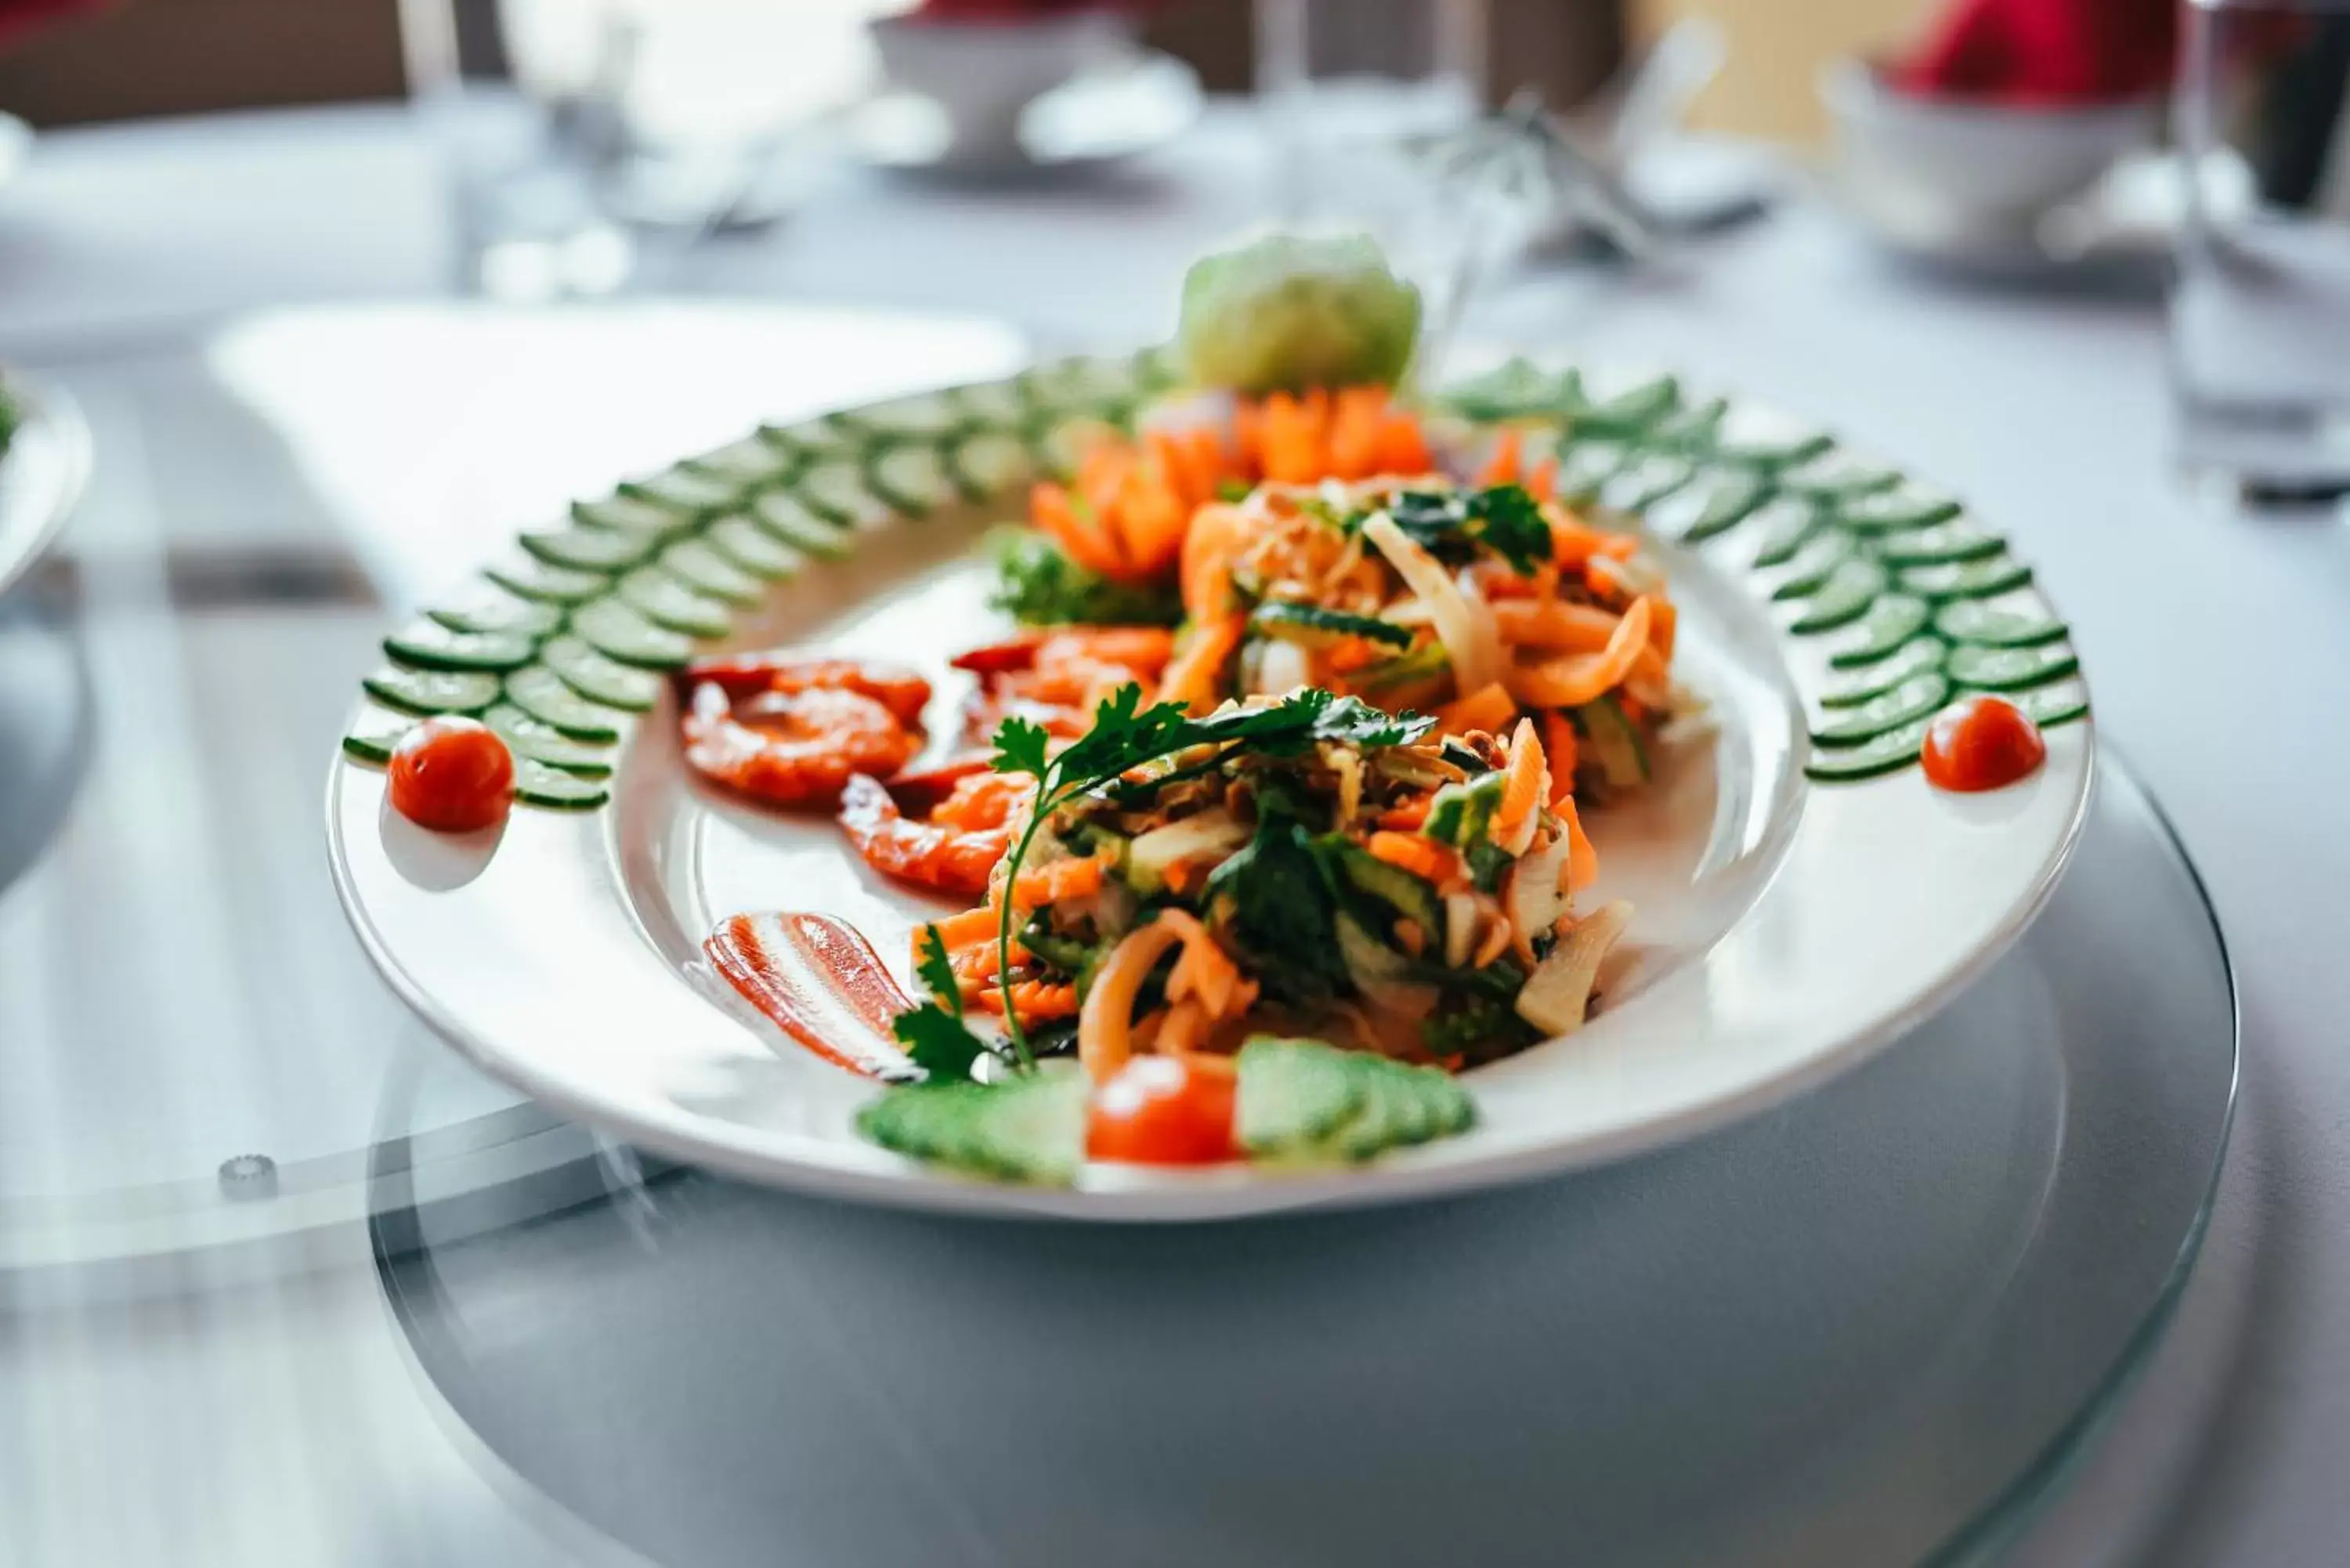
(20, 17)
(2046, 51)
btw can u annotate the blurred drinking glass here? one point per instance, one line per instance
(2261, 310)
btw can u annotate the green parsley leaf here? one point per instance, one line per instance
(939, 1042)
(1037, 584)
(1022, 747)
(1508, 521)
(1276, 893)
(937, 971)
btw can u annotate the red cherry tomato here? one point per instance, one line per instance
(1981, 743)
(1164, 1110)
(452, 775)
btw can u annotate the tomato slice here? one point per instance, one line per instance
(1981, 743)
(1165, 1110)
(452, 775)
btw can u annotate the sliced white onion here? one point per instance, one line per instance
(1282, 667)
(1461, 922)
(1537, 896)
(1558, 993)
(1465, 623)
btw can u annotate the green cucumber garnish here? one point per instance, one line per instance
(548, 583)
(1945, 544)
(535, 784)
(373, 741)
(429, 691)
(1966, 579)
(684, 492)
(496, 611)
(1032, 1129)
(1843, 598)
(789, 521)
(1713, 503)
(989, 464)
(1969, 621)
(837, 493)
(1633, 490)
(541, 743)
(750, 463)
(747, 544)
(1291, 1096)
(1890, 622)
(1896, 511)
(599, 679)
(1888, 753)
(910, 477)
(1316, 625)
(667, 602)
(1839, 477)
(1629, 412)
(2054, 705)
(1912, 658)
(1812, 565)
(702, 567)
(541, 693)
(1918, 696)
(2011, 669)
(631, 516)
(589, 549)
(429, 645)
(619, 631)
(1787, 524)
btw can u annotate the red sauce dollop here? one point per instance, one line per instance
(453, 775)
(1982, 743)
(1165, 1110)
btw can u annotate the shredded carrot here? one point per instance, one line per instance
(1521, 789)
(1042, 886)
(1072, 525)
(1489, 709)
(959, 931)
(1407, 816)
(1581, 678)
(1582, 860)
(1038, 1001)
(1543, 483)
(1559, 740)
(1504, 465)
(1572, 542)
(1423, 857)
(1558, 625)
(1192, 675)
(1205, 972)
(1666, 617)
(1209, 547)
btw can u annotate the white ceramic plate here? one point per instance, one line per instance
(1786, 925)
(41, 475)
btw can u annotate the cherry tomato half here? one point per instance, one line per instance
(1164, 1110)
(1981, 743)
(452, 775)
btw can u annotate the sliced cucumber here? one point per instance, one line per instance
(812, 442)
(2011, 669)
(1103, 386)
(1814, 564)
(1918, 696)
(1585, 469)
(546, 582)
(541, 743)
(1694, 429)
(1844, 598)
(910, 477)
(1400, 1108)
(1887, 627)
(788, 520)
(1969, 621)
(541, 693)
(1839, 477)
(622, 632)
(837, 493)
(989, 465)
(1787, 525)
(1915, 656)
(1897, 511)
(1032, 1129)
(1613, 744)
(660, 598)
(1888, 753)
(994, 405)
(590, 549)
(1633, 490)
(1629, 413)
(1318, 627)
(1945, 544)
(1764, 438)
(685, 493)
(927, 416)
(535, 784)
(1408, 896)
(373, 740)
(1293, 1094)
(2054, 705)
(1461, 814)
(429, 692)
(1713, 503)
(496, 611)
(429, 645)
(1967, 579)
(1062, 445)
(1519, 388)
(750, 463)
(632, 515)
(744, 543)
(600, 679)
(699, 567)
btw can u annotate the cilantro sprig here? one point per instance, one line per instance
(1126, 735)
(1452, 525)
(934, 1034)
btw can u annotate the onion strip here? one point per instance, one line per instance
(1464, 621)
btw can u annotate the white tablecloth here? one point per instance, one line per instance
(2218, 643)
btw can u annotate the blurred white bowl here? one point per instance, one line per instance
(982, 74)
(1910, 153)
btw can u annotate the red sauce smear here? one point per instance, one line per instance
(821, 983)
(1982, 743)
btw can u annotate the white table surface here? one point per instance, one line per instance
(2218, 644)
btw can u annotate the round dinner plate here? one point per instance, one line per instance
(41, 473)
(1802, 895)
